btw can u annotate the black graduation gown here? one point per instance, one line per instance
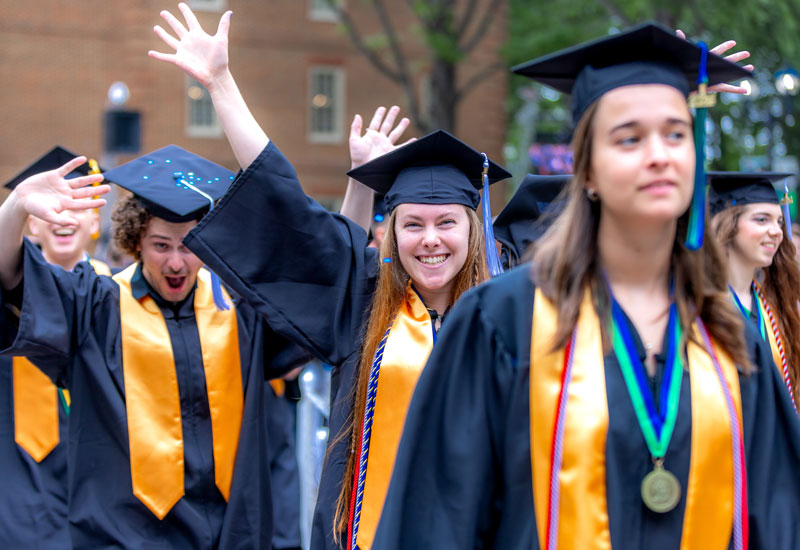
(462, 478)
(284, 473)
(312, 277)
(33, 500)
(69, 326)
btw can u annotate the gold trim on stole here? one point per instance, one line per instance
(155, 432)
(583, 519)
(36, 401)
(35, 409)
(407, 348)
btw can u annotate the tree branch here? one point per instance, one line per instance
(358, 42)
(469, 12)
(477, 78)
(484, 25)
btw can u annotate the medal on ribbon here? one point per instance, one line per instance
(661, 490)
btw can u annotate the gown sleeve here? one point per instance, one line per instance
(772, 448)
(309, 272)
(56, 312)
(449, 482)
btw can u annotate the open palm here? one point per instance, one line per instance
(48, 195)
(202, 56)
(380, 138)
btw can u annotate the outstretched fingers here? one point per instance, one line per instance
(224, 24)
(401, 127)
(388, 122)
(176, 26)
(375, 123)
(188, 15)
(168, 39)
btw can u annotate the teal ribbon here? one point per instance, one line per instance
(656, 423)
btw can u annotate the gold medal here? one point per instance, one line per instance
(661, 490)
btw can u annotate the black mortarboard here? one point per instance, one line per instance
(740, 188)
(172, 183)
(55, 158)
(523, 219)
(645, 54)
(435, 169)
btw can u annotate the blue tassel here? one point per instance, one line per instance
(216, 292)
(787, 217)
(492, 256)
(697, 214)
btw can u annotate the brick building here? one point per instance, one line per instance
(297, 70)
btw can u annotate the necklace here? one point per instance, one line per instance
(660, 489)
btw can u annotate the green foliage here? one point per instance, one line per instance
(769, 29)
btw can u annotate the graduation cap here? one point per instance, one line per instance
(173, 183)
(525, 218)
(436, 169)
(55, 158)
(646, 54)
(177, 186)
(739, 188)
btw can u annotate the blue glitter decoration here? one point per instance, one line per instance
(379, 218)
(216, 179)
(177, 174)
(145, 177)
(168, 161)
(149, 162)
(231, 177)
(387, 260)
(177, 185)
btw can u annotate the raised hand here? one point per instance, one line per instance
(48, 195)
(380, 138)
(733, 58)
(202, 56)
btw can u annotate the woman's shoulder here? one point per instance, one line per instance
(504, 306)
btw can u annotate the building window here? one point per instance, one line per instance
(207, 5)
(326, 101)
(201, 119)
(321, 10)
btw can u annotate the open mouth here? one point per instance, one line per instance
(64, 232)
(770, 246)
(175, 283)
(433, 260)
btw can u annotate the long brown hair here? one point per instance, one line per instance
(566, 261)
(389, 295)
(781, 286)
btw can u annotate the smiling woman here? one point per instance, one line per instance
(750, 226)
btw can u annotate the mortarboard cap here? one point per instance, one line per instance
(645, 54)
(435, 169)
(173, 184)
(55, 158)
(523, 219)
(740, 188)
(379, 213)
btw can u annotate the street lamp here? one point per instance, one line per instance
(787, 82)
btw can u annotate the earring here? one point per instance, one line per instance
(592, 194)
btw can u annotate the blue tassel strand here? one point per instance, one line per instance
(492, 256)
(216, 293)
(697, 214)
